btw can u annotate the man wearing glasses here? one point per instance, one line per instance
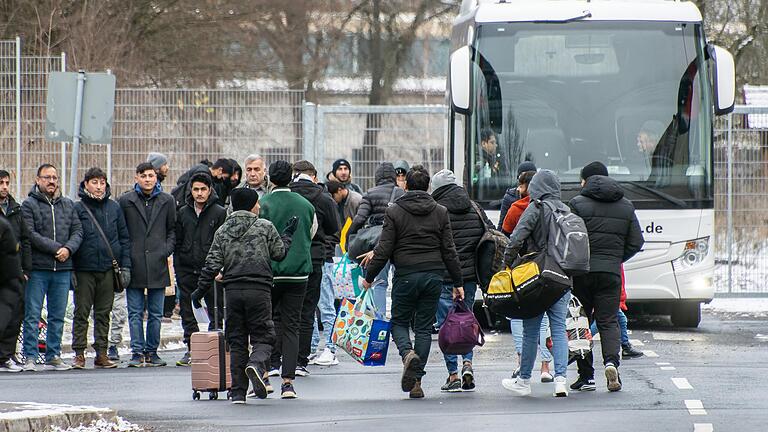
(55, 235)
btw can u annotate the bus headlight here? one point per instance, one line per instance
(694, 253)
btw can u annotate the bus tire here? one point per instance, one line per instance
(686, 314)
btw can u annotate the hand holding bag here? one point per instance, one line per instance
(460, 331)
(359, 333)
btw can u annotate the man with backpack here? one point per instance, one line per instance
(220, 171)
(614, 237)
(468, 223)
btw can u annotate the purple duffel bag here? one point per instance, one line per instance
(460, 331)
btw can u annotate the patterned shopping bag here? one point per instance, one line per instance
(345, 274)
(359, 333)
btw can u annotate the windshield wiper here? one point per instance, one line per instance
(667, 197)
(584, 15)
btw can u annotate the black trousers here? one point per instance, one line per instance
(186, 283)
(249, 321)
(600, 293)
(11, 315)
(287, 298)
(308, 310)
(95, 291)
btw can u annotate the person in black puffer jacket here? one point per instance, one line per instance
(11, 278)
(468, 227)
(377, 199)
(614, 237)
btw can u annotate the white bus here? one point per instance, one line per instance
(633, 84)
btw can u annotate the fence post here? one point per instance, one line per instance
(63, 170)
(308, 131)
(18, 117)
(729, 208)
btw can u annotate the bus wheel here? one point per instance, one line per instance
(686, 314)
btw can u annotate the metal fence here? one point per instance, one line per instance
(741, 202)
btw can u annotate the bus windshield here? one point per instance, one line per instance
(633, 95)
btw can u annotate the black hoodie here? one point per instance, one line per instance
(614, 232)
(326, 213)
(194, 234)
(416, 237)
(378, 198)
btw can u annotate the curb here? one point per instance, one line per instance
(164, 342)
(32, 416)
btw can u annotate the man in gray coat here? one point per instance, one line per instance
(151, 218)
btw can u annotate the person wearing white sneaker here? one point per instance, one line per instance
(518, 386)
(56, 364)
(327, 358)
(10, 366)
(29, 366)
(561, 387)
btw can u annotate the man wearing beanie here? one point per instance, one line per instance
(512, 195)
(159, 162)
(342, 170)
(468, 226)
(243, 248)
(291, 274)
(614, 237)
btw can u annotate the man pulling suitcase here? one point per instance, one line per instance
(242, 249)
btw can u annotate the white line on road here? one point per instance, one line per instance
(682, 384)
(649, 353)
(703, 427)
(695, 407)
(667, 368)
(662, 364)
(636, 342)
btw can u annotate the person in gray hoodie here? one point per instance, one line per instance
(545, 186)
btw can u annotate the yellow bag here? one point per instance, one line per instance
(506, 281)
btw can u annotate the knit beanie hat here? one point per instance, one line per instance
(244, 199)
(280, 173)
(594, 168)
(443, 178)
(340, 163)
(157, 160)
(525, 166)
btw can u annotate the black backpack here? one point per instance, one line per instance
(489, 255)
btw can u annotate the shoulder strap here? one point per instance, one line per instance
(392, 195)
(480, 212)
(101, 232)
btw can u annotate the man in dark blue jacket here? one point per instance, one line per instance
(93, 266)
(55, 233)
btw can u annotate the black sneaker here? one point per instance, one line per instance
(154, 360)
(287, 391)
(584, 384)
(467, 377)
(256, 375)
(302, 371)
(137, 360)
(185, 361)
(629, 352)
(451, 386)
(113, 354)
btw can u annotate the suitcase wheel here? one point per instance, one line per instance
(195, 395)
(213, 395)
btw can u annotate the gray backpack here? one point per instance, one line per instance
(567, 239)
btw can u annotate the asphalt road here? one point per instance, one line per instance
(719, 368)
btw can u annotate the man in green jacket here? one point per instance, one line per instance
(290, 274)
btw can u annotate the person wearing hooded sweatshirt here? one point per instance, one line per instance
(150, 215)
(532, 231)
(326, 214)
(614, 237)
(512, 193)
(467, 227)
(196, 223)
(93, 266)
(418, 239)
(55, 233)
(401, 169)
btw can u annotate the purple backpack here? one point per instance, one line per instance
(460, 331)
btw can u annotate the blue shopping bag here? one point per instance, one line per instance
(359, 333)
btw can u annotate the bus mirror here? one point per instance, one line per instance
(460, 68)
(725, 80)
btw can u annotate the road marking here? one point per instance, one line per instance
(649, 353)
(636, 342)
(703, 427)
(695, 407)
(662, 364)
(683, 337)
(667, 368)
(682, 384)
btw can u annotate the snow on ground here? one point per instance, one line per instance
(22, 410)
(755, 306)
(101, 425)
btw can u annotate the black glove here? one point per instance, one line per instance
(290, 226)
(197, 295)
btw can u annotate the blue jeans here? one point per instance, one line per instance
(142, 343)
(327, 309)
(53, 287)
(531, 334)
(443, 306)
(516, 326)
(379, 286)
(622, 326)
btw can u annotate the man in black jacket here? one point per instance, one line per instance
(304, 183)
(11, 277)
(417, 238)
(10, 210)
(614, 237)
(55, 233)
(93, 266)
(196, 223)
(150, 215)
(468, 224)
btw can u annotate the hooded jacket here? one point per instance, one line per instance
(93, 256)
(53, 224)
(326, 214)
(244, 248)
(466, 225)
(20, 232)
(544, 186)
(416, 237)
(613, 228)
(194, 234)
(378, 198)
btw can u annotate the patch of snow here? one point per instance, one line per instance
(345, 85)
(36, 410)
(746, 305)
(101, 425)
